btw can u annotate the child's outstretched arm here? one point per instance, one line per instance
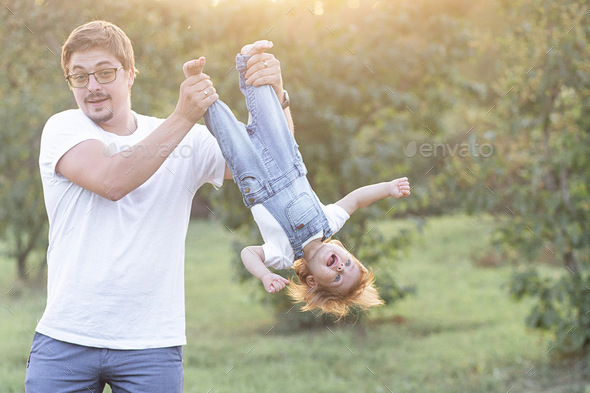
(366, 195)
(253, 260)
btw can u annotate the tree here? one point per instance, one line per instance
(551, 204)
(536, 180)
(28, 80)
(362, 82)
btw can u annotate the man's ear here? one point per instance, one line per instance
(310, 280)
(131, 78)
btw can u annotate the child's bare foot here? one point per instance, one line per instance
(255, 48)
(193, 67)
(399, 188)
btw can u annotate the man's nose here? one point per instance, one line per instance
(93, 84)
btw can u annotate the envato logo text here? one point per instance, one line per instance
(126, 151)
(462, 150)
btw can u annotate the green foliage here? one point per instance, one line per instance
(536, 180)
(28, 80)
(559, 307)
(351, 110)
(547, 162)
(368, 84)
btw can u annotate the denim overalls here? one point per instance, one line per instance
(265, 162)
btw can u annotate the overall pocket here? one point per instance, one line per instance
(253, 191)
(301, 211)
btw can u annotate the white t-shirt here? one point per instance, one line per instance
(116, 269)
(278, 252)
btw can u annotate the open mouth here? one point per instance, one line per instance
(332, 260)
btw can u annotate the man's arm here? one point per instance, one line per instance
(113, 177)
(364, 196)
(253, 260)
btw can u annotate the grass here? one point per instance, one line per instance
(459, 333)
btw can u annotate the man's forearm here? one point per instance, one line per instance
(113, 175)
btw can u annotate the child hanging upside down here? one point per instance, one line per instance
(296, 227)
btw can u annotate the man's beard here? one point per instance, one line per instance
(103, 114)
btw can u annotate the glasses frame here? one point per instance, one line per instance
(116, 69)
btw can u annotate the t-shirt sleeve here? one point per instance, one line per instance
(62, 132)
(208, 162)
(276, 258)
(336, 216)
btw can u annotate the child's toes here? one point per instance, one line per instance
(256, 48)
(247, 50)
(193, 67)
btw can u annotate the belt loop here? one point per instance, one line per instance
(268, 188)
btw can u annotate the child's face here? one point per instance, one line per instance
(333, 268)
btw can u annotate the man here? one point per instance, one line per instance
(118, 188)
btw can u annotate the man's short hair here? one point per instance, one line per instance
(99, 34)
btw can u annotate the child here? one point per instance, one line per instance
(266, 165)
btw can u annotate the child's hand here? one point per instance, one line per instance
(399, 188)
(273, 283)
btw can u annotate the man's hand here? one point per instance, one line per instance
(263, 68)
(273, 283)
(399, 188)
(196, 92)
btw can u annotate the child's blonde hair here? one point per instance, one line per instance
(363, 294)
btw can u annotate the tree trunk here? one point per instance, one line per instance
(21, 262)
(570, 262)
(23, 251)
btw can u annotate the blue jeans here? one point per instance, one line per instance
(59, 367)
(265, 162)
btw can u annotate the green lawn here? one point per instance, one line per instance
(459, 333)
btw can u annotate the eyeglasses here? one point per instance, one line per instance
(103, 76)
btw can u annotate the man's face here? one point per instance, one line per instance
(106, 103)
